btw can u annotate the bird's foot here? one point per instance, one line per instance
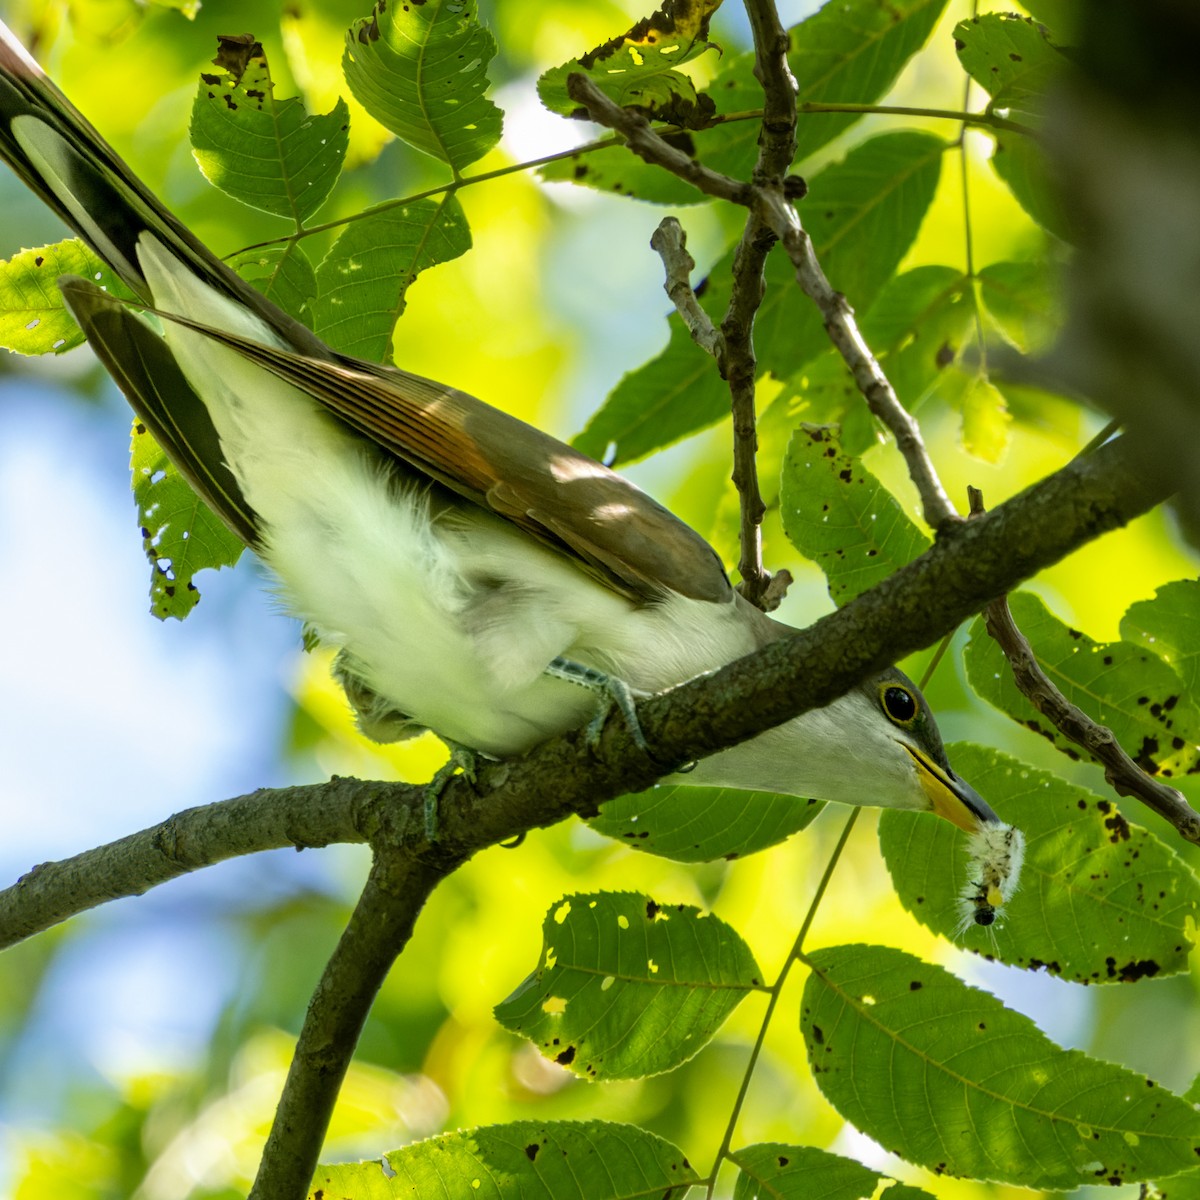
(463, 760)
(613, 693)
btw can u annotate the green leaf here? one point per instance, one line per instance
(363, 282)
(862, 213)
(284, 274)
(985, 420)
(615, 169)
(421, 71)
(1024, 301)
(628, 987)
(1169, 625)
(180, 533)
(1023, 166)
(1011, 54)
(1117, 684)
(838, 514)
(638, 69)
(800, 1173)
(270, 154)
(32, 317)
(850, 52)
(524, 1160)
(700, 824)
(1101, 899)
(948, 1078)
(1013, 59)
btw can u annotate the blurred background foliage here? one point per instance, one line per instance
(142, 1047)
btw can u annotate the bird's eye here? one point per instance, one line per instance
(899, 704)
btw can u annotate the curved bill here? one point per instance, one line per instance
(951, 797)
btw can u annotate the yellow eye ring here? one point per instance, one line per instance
(898, 703)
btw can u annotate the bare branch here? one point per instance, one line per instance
(776, 149)
(872, 382)
(669, 242)
(1124, 776)
(646, 144)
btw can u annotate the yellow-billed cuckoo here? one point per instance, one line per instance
(467, 566)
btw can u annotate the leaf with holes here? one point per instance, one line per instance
(284, 274)
(421, 71)
(363, 282)
(1118, 684)
(1101, 900)
(806, 1173)
(838, 514)
(701, 824)
(894, 1041)
(524, 1160)
(1169, 625)
(638, 69)
(270, 154)
(180, 533)
(629, 987)
(33, 319)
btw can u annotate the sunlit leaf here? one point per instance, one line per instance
(284, 274)
(1013, 59)
(628, 987)
(985, 420)
(1169, 625)
(638, 69)
(32, 317)
(421, 71)
(1101, 899)
(524, 1160)
(180, 533)
(784, 1172)
(862, 214)
(1118, 684)
(700, 824)
(948, 1078)
(1024, 301)
(363, 282)
(839, 515)
(268, 153)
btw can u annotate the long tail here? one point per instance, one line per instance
(51, 145)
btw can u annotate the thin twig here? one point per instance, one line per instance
(669, 242)
(646, 144)
(843, 331)
(1123, 775)
(776, 991)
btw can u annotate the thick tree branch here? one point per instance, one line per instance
(379, 928)
(957, 577)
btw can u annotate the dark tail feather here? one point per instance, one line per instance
(56, 151)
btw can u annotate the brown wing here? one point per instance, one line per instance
(542, 485)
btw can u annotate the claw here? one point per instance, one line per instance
(613, 693)
(463, 760)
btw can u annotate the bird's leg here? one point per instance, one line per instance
(612, 693)
(462, 759)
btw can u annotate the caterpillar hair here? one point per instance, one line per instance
(996, 853)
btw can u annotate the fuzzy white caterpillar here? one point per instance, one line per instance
(996, 852)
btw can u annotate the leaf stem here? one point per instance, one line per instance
(776, 991)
